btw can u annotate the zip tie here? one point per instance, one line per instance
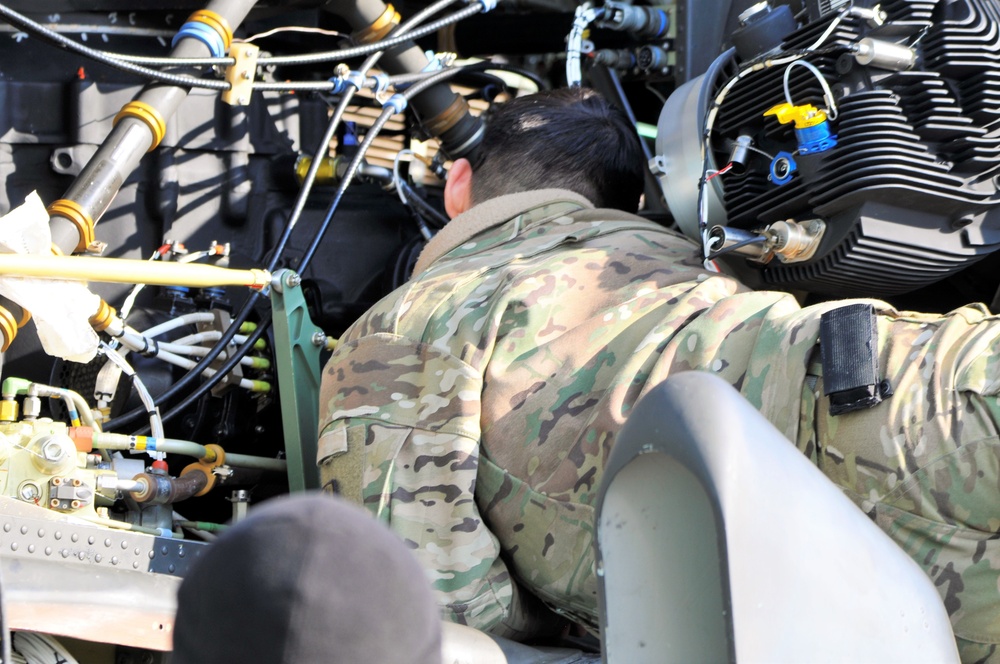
(381, 83)
(397, 102)
(150, 350)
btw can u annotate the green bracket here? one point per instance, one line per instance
(296, 356)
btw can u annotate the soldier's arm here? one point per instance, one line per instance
(400, 435)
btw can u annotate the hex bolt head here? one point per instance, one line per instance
(53, 451)
(318, 339)
(292, 280)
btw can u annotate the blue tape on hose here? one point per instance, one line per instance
(204, 34)
(397, 102)
(488, 5)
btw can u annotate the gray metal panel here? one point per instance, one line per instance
(810, 576)
(89, 582)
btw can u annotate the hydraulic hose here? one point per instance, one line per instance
(139, 128)
(442, 112)
(279, 249)
(164, 490)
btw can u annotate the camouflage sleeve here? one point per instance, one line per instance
(400, 434)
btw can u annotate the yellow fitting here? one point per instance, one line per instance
(803, 116)
(332, 343)
(260, 363)
(216, 457)
(25, 317)
(260, 386)
(248, 327)
(104, 317)
(72, 211)
(325, 174)
(8, 410)
(149, 116)
(214, 21)
(379, 28)
(8, 328)
(260, 344)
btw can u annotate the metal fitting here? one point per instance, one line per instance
(318, 339)
(884, 55)
(292, 280)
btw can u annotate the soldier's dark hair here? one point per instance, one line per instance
(570, 138)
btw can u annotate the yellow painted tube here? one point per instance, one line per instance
(126, 271)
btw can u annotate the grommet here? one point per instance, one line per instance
(149, 116)
(73, 212)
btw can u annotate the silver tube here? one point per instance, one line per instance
(119, 155)
(721, 238)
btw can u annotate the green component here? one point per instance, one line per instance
(12, 386)
(247, 327)
(297, 362)
(260, 363)
(645, 130)
(260, 344)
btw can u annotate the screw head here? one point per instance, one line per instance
(318, 339)
(292, 280)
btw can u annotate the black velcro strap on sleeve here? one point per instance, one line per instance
(848, 339)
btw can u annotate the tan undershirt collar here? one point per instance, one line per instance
(487, 215)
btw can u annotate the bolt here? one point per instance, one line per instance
(243, 101)
(245, 75)
(292, 280)
(318, 339)
(53, 451)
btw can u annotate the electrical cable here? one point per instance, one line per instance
(312, 58)
(383, 45)
(39, 30)
(831, 103)
(373, 131)
(248, 306)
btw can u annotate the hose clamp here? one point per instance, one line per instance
(447, 118)
(397, 103)
(75, 214)
(149, 116)
(381, 83)
(210, 29)
(379, 28)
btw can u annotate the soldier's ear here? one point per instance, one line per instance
(458, 188)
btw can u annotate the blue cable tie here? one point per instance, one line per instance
(355, 78)
(204, 34)
(338, 85)
(381, 83)
(397, 102)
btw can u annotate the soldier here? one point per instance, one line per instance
(474, 408)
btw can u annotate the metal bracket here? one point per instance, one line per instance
(297, 360)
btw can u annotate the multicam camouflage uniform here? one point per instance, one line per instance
(473, 409)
